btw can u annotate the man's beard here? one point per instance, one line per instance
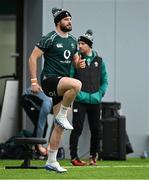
(65, 28)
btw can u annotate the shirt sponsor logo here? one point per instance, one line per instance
(67, 54)
(66, 62)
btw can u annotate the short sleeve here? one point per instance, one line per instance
(44, 43)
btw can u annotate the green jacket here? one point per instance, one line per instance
(92, 97)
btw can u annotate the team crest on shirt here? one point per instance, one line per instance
(59, 45)
(96, 64)
(72, 45)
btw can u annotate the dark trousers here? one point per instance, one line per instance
(93, 114)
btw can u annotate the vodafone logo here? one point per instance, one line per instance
(67, 54)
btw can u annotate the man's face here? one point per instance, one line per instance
(65, 24)
(83, 47)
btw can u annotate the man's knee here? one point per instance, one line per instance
(77, 85)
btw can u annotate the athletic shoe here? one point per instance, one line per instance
(55, 166)
(92, 161)
(78, 162)
(64, 123)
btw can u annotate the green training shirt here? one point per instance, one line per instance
(58, 54)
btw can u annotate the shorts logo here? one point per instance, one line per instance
(52, 93)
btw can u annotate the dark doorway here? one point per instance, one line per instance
(19, 51)
(11, 45)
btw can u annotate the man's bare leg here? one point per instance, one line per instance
(68, 98)
(69, 90)
(54, 142)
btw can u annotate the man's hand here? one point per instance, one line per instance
(36, 88)
(79, 63)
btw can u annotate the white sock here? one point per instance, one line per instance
(52, 156)
(63, 111)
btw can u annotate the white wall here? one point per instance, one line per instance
(9, 123)
(121, 37)
(132, 68)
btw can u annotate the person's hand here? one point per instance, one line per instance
(35, 88)
(81, 63)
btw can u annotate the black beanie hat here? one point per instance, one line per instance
(59, 14)
(87, 38)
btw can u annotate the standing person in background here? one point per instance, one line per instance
(59, 50)
(94, 85)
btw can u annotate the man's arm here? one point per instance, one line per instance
(35, 55)
(104, 79)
